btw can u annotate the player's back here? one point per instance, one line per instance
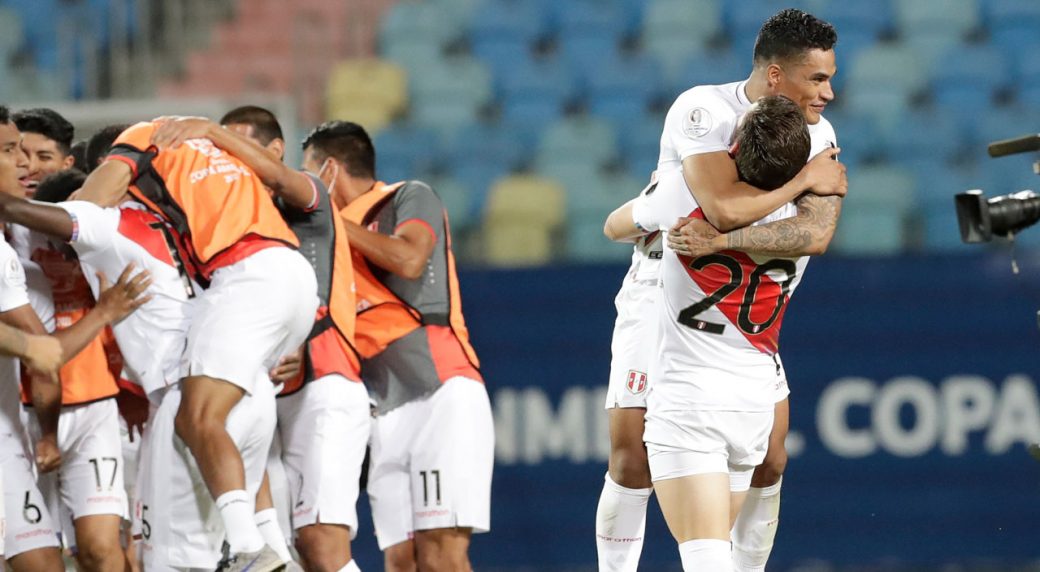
(107, 240)
(202, 191)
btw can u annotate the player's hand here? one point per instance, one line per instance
(825, 175)
(134, 410)
(48, 455)
(121, 299)
(693, 237)
(172, 132)
(43, 354)
(288, 367)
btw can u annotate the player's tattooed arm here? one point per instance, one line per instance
(807, 234)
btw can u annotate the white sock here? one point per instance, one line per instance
(705, 555)
(620, 522)
(267, 521)
(350, 567)
(236, 510)
(755, 528)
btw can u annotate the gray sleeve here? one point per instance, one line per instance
(416, 202)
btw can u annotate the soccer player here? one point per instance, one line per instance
(323, 414)
(100, 143)
(47, 139)
(30, 541)
(794, 57)
(432, 439)
(243, 323)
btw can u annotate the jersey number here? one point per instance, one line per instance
(97, 472)
(436, 478)
(688, 316)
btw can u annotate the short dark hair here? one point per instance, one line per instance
(347, 142)
(48, 123)
(5, 115)
(100, 143)
(265, 124)
(773, 143)
(790, 33)
(57, 187)
(79, 156)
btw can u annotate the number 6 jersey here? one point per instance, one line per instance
(720, 314)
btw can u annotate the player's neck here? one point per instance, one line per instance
(756, 86)
(354, 188)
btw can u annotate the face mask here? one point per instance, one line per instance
(335, 173)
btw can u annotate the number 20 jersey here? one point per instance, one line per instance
(720, 315)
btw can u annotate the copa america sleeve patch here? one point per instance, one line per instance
(697, 122)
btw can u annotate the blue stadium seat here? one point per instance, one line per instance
(959, 17)
(1012, 14)
(711, 68)
(999, 123)
(587, 18)
(580, 138)
(536, 93)
(875, 211)
(894, 66)
(583, 54)
(423, 23)
(460, 78)
(858, 135)
(624, 87)
(870, 232)
(968, 77)
(401, 151)
(459, 11)
(477, 178)
(520, 20)
(41, 29)
(484, 142)
(1028, 85)
(640, 144)
(11, 36)
(458, 201)
(501, 55)
(675, 29)
(874, 17)
(919, 134)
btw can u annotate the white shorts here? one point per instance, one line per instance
(131, 453)
(684, 443)
(324, 428)
(178, 520)
(90, 480)
(634, 328)
(254, 312)
(27, 522)
(431, 463)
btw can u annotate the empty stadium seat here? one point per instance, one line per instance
(458, 201)
(874, 213)
(895, 66)
(450, 92)
(959, 17)
(522, 215)
(969, 77)
(406, 149)
(583, 54)
(711, 68)
(519, 20)
(589, 203)
(624, 87)
(370, 84)
(501, 54)
(582, 139)
(424, 23)
(919, 134)
(484, 142)
(587, 18)
(11, 36)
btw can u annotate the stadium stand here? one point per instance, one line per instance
(487, 86)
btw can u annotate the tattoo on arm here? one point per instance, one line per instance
(805, 234)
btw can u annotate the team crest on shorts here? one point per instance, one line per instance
(636, 382)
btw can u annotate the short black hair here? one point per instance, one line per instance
(79, 156)
(264, 122)
(5, 115)
(346, 142)
(773, 143)
(57, 187)
(790, 34)
(48, 123)
(100, 143)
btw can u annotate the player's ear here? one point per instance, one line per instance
(277, 148)
(774, 75)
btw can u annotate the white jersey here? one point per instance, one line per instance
(13, 294)
(152, 339)
(25, 242)
(720, 318)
